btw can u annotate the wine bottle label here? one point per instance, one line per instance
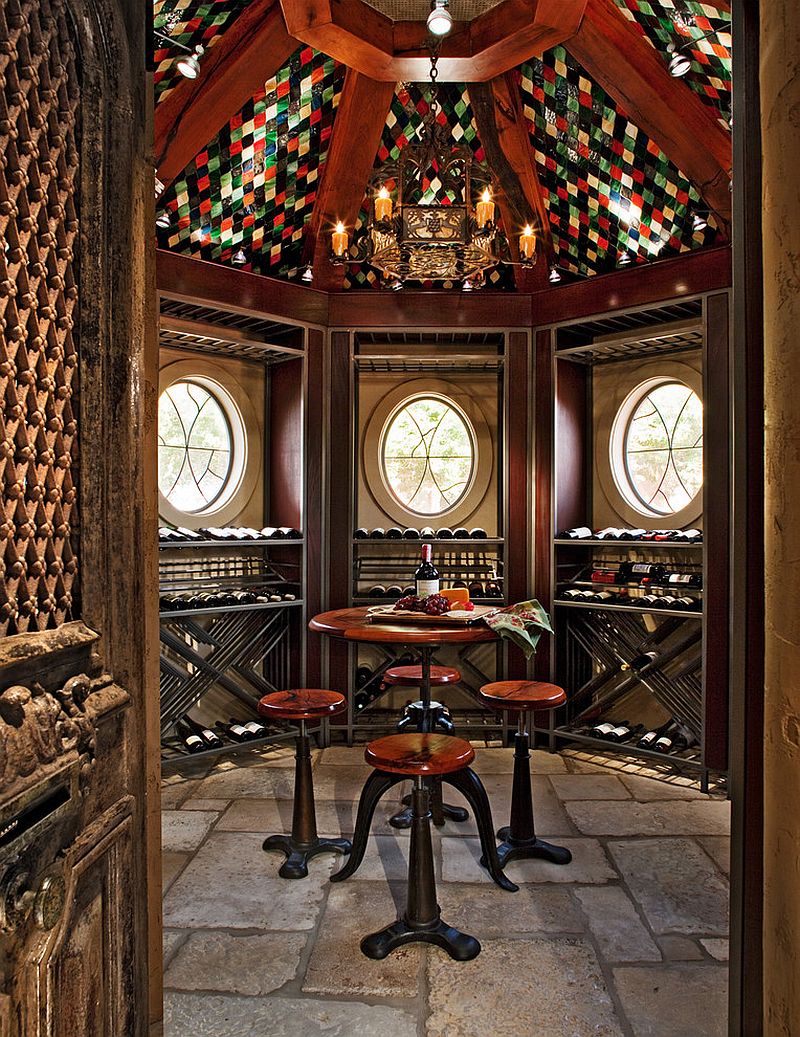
(254, 728)
(427, 587)
(664, 742)
(192, 741)
(648, 738)
(209, 736)
(680, 578)
(237, 729)
(619, 732)
(604, 729)
(641, 567)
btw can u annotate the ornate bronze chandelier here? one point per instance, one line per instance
(446, 238)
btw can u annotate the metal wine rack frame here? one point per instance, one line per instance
(393, 562)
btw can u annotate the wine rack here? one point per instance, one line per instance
(246, 649)
(598, 646)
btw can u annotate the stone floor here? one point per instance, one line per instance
(630, 938)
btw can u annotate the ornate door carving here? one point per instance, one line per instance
(74, 405)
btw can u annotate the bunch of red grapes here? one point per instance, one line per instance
(433, 605)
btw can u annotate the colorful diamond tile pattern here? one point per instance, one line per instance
(252, 190)
(410, 105)
(189, 23)
(609, 189)
(683, 23)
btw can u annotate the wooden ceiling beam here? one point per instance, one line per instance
(614, 52)
(231, 72)
(357, 129)
(503, 132)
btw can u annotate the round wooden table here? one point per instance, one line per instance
(354, 624)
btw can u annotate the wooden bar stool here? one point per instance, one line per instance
(302, 705)
(421, 756)
(518, 840)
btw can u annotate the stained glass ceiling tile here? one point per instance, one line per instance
(253, 187)
(608, 188)
(189, 23)
(682, 23)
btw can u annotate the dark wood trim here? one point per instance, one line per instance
(746, 769)
(694, 273)
(340, 532)
(624, 63)
(376, 309)
(716, 520)
(518, 473)
(314, 528)
(232, 71)
(543, 487)
(360, 118)
(183, 277)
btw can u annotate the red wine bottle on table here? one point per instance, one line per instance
(426, 578)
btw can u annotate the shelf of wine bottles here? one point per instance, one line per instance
(227, 536)
(459, 535)
(385, 569)
(583, 535)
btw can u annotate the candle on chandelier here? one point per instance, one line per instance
(484, 210)
(383, 205)
(527, 242)
(339, 240)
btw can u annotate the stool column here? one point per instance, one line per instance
(521, 826)
(304, 817)
(421, 910)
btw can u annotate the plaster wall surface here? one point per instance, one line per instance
(780, 118)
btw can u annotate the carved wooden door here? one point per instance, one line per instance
(75, 401)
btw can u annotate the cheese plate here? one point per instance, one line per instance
(455, 617)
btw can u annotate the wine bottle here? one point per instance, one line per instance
(361, 700)
(378, 533)
(460, 533)
(288, 596)
(478, 533)
(673, 739)
(363, 676)
(377, 591)
(408, 589)
(605, 576)
(290, 533)
(270, 532)
(476, 589)
(426, 577)
(411, 533)
(604, 729)
(192, 743)
(394, 533)
(493, 590)
(256, 729)
(689, 536)
(235, 732)
(630, 571)
(578, 533)
(444, 533)
(689, 604)
(394, 591)
(427, 533)
(631, 534)
(603, 597)
(362, 533)
(571, 594)
(210, 739)
(649, 738)
(625, 733)
(674, 578)
(609, 533)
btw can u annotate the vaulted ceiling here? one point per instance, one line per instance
(570, 101)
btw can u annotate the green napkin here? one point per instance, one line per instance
(522, 623)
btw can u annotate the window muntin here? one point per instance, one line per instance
(657, 447)
(428, 455)
(195, 447)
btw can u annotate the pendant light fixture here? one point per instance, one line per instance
(440, 21)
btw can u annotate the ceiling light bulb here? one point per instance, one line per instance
(555, 276)
(440, 21)
(189, 64)
(308, 274)
(699, 222)
(239, 258)
(163, 220)
(679, 63)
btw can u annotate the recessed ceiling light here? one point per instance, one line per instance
(163, 220)
(679, 63)
(699, 222)
(555, 276)
(440, 21)
(239, 258)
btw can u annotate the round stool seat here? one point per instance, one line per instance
(522, 695)
(412, 675)
(302, 704)
(417, 753)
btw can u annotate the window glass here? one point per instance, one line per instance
(663, 449)
(195, 447)
(428, 455)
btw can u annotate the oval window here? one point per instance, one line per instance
(195, 447)
(657, 447)
(428, 455)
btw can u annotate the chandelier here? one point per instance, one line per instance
(443, 238)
